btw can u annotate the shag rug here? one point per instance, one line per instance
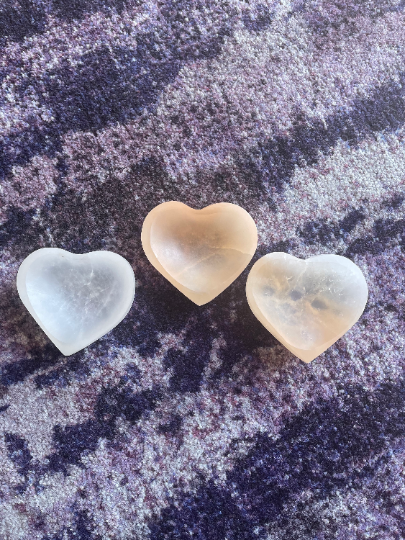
(189, 422)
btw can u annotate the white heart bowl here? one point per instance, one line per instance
(76, 299)
(306, 304)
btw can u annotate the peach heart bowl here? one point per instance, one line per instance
(306, 304)
(201, 252)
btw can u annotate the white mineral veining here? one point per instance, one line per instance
(201, 252)
(306, 304)
(76, 299)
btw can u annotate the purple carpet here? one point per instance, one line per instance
(189, 422)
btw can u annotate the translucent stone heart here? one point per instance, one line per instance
(76, 299)
(306, 304)
(201, 252)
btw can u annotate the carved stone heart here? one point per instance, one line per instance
(76, 299)
(201, 252)
(306, 304)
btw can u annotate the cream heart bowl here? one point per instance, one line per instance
(306, 304)
(201, 252)
(76, 299)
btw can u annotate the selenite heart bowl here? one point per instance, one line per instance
(76, 299)
(201, 252)
(306, 304)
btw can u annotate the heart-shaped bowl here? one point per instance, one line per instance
(201, 252)
(306, 304)
(76, 299)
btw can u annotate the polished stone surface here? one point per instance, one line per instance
(201, 252)
(76, 299)
(306, 304)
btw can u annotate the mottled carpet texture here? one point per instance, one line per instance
(190, 422)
